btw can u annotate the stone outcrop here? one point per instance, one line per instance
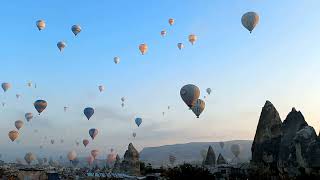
(221, 160)
(265, 145)
(117, 164)
(131, 164)
(284, 150)
(210, 159)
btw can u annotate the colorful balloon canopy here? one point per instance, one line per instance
(5, 86)
(138, 121)
(13, 135)
(249, 20)
(95, 153)
(198, 107)
(208, 90)
(85, 142)
(180, 45)
(76, 29)
(143, 48)
(72, 155)
(29, 157)
(163, 33)
(41, 24)
(116, 60)
(40, 105)
(101, 88)
(93, 133)
(189, 94)
(61, 45)
(192, 38)
(88, 112)
(171, 21)
(18, 124)
(28, 116)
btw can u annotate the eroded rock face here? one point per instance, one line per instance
(221, 160)
(293, 123)
(313, 154)
(117, 164)
(210, 160)
(131, 163)
(265, 146)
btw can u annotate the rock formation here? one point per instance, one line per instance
(284, 150)
(131, 164)
(117, 164)
(221, 160)
(210, 160)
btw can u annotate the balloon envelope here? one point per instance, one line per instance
(198, 107)
(93, 133)
(88, 112)
(29, 157)
(13, 135)
(5, 86)
(95, 153)
(189, 94)
(138, 121)
(61, 45)
(116, 60)
(192, 38)
(41, 24)
(72, 155)
(85, 142)
(28, 116)
(40, 105)
(180, 46)
(171, 21)
(249, 20)
(143, 48)
(101, 88)
(76, 29)
(235, 149)
(18, 124)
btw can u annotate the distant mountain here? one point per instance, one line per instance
(190, 152)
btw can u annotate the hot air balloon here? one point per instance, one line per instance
(116, 60)
(134, 134)
(40, 24)
(61, 141)
(13, 135)
(111, 158)
(198, 107)
(95, 153)
(122, 104)
(143, 48)
(138, 121)
(76, 29)
(93, 133)
(172, 159)
(163, 33)
(18, 96)
(5, 86)
(18, 124)
(85, 142)
(40, 105)
(221, 144)
(3, 103)
(123, 99)
(192, 38)
(29, 84)
(189, 94)
(28, 116)
(168, 107)
(88, 112)
(235, 149)
(171, 21)
(163, 113)
(101, 88)
(61, 45)
(180, 46)
(250, 20)
(52, 141)
(90, 160)
(77, 143)
(208, 90)
(72, 155)
(29, 157)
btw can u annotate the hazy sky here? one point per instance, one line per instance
(279, 62)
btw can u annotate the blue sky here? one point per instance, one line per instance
(279, 61)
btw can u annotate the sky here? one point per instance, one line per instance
(279, 62)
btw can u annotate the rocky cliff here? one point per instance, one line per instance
(131, 163)
(284, 150)
(210, 160)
